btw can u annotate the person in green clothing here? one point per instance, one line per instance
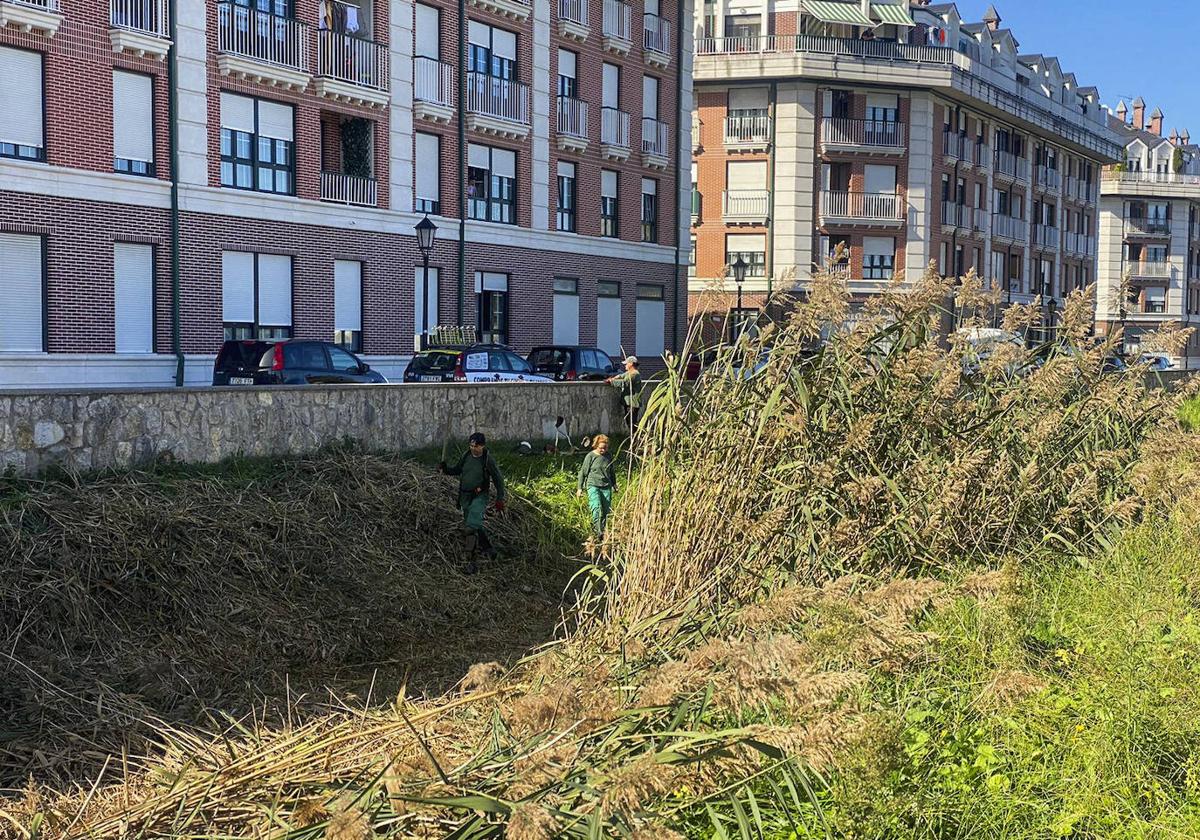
(476, 471)
(598, 479)
(629, 384)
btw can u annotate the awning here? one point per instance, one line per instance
(892, 13)
(831, 11)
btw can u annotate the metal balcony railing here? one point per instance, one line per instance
(954, 145)
(858, 205)
(614, 127)
(45, 5)
(869, 133)
(1008, 227)
(348, 189)
(1046, 236)
(888, 50)
(1047, 177)
(574, 11)
(953, 214)
(501, 99)
(748, 128)
(1150, 269)
(616, 18)
(350, 59)
(433, 81)
(656, 34)
(572, 117)
(746, 205)
(271, 39)
(1007, 163)
(149, 16)
(654, 137)
(1155, 226)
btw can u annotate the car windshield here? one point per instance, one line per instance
(434, 363)
(239, 355)
(549, 360)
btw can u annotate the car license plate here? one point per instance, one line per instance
(241, 380)
(431, 379)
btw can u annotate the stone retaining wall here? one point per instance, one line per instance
(86, 430)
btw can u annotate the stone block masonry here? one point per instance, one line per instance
(85, 430)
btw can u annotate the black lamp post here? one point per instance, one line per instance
(739, 276)
(426, 231)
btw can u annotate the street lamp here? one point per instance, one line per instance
(426, 231)
(739, 276)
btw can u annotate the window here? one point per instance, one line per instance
(428, 193)
(491, 184)
(568, 83)
(1016, 273)
(649, 321)
(608, 317)
(256, 296)
(882, 108)
(564, 217)
(650, 97)
(493, 52)
(256, 144)
(566, 310)
(22, 318)
(347, 305)
(427, 37)
(133, 298)
(22, 132)
(881, 180)
(608, 204)
(879, 257)
(944, 260)
(133, 123)
(649, 210)
(341, 360)
(751, 247)
(491, 293)
(692, 257)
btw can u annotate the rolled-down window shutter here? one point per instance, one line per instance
(133, 297)
(747, 175)
(478, 157)
(237, 287)
(566, 63)
(237, 112)
(21, 97)
(427, 41)
(275, 120)
(747, 99)
(428, 167)
(347, 295)
(504, 163)
(133, 116)
(504, 44)
(608, 183)
(21, 285)
(274, 290)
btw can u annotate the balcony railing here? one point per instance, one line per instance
(1150, 269)
(1046, 236)
(1151, 178)
(616, 20)
(842, 131)
(656, 34)
(654, 137)
(747, 129)
(44, 5)
(575, 11)
(270, 39)
(1138, 226)
(953, 215)
(572, 117)
(1047, 177)
(1007, 163)
(1078, 243)
(888, 50)
(614, 127)
(149, 16)
(883, 207)
(348, 189)
(354, 60)
(745, 205)
(433, 81)
(501, 99)
(1008, 227)
(954, 145)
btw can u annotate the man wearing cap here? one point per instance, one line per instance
(629, 384)
(476, 470)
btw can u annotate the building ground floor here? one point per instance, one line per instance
(94, 295)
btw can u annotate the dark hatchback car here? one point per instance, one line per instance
(436, 364)
(493, 363)
(295, 362)
(569, 363)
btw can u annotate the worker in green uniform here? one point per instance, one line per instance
(476, 471)
(629, 384)
(598, 479)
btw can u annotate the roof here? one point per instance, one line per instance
(991, 15)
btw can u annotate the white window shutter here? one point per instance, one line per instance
(478, 157)
(237, 112)
(608, 183)
(504, 163)
(275, 120)
(428, 36)
(608, 325)
(610, 81)
(650, 97)
(419, 298)
(428, 167)
(566, 169)
(566, 63)
(133, 297)
(747, 99)
(504, 44)
(21, 316)
(237, 287)
(746, 175)
(274, 290)
(650, 322)
(347, 295)
(566, 319)
(133, 116)
(21, 98)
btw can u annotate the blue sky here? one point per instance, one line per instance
(1127, 49)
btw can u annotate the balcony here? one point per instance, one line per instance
(749, 132)
(40, 17)
(139, 27)
(1007, 227)
(953, 215)
(515, 10)
(348, 189)
(433, 90)
(656, 40)
(1079, 244)
(351, 69)
(1046, 237)
(615, 29)
(850, 47)
(573, 20)
(1047, 178)
(954, 146)
(1153, 270)
(1153, 228)
(572, 124)
(857, 208)
(1009, 167)
(655, 144)
(499, 107)
(878, 137)
(614, 134)
(260, 47)
(745, 207)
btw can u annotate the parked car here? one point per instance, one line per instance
(494, 363)
(435, 364)
(1155, 361)
(293, 362)
(570, 363)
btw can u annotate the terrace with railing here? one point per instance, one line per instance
(1008, 227)
(573, 19)
(614, 134)
(433, 90)
(263, 47)
(42, 17)
(656, 40)
(1152, 269)
(497, 106)
(140, 27)
(348, 189)
(745, 206)
(1047, 178)
(1046, 236)
(844, 206)
(748, 132)
(852, 134)
(352, 69)
(572, 124)
(655, 143)
(615, 30)
(1010, 166)
(1153, 226)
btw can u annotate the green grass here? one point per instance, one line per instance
(1189, 414)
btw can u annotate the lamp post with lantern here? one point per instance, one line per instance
(739, 267)
(426, 231)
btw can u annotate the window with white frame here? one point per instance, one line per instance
(751, 247)
(493, 51)
(23, 315)
(491, 298)
(491, 184)
(650, 320)
(133, 297)
(257, 144)
(347, 305)
(608, 204)
(428, 191)
(649, 210)
(22, 102)
(879, 257)
(256, 296)
(568, 82)
(564, 215)
(566, 310)
(133, 123)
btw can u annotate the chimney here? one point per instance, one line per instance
(1122, 112)
(1174, 138)
(1156, 119)
(1139, 113)
(992, 18)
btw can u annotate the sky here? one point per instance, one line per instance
(1126, 49)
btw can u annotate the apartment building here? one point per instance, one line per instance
(176, 174)
(1150, 234)
(896, 129)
